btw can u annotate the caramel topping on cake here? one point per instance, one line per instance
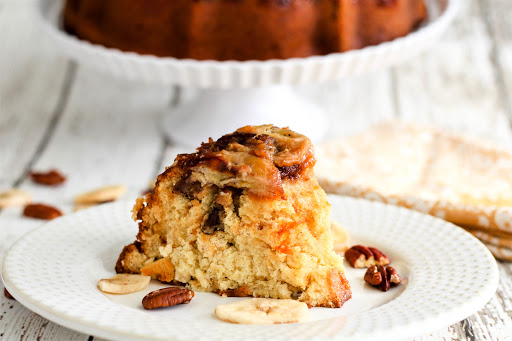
(254, 158)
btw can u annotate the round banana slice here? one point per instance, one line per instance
(123, 283)
(263, 311)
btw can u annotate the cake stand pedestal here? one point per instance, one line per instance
(218, 111)
(250, 92)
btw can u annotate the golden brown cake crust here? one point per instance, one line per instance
(128, 258)
(241, 29)
(339, 288)
(242, 216)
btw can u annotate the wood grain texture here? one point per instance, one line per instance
(24, 125)
(17, 66)
(454, 85)
(495, 318)
(85, 146)
(347, 102)
(18, 323)
(459, 86)
(498, 18)
(75, 134)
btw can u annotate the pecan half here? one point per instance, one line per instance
(50, 178)
(167, 297)
(41, 211)
(359, 256)
(382, 277)
(8, 295)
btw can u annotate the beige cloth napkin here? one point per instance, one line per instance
(462, 180)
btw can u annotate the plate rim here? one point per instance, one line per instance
(442, 319)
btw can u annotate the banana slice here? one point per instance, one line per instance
(101, 195)
(340, 236)
(263, 311)
(14, 197)
(123, 283)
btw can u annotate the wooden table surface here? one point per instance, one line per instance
(99, 130)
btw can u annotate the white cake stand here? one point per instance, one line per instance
(238, 93)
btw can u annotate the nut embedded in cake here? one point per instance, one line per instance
(244, 214)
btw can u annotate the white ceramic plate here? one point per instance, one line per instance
(447, 276)
(236, 74)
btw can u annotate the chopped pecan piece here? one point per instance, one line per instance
(214, 222)
(382, 277)
(167, 297)
(240, 292)
(373, 276)
(41, 211)
(360, 256)
(50, 178)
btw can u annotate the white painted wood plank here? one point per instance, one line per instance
(8, 2)
(29, 89)
(498, 14)
(29, 94)
(355, 103)
(25, 325)
(109, 133)
(453, 86)
(109, 136)
(496, 318)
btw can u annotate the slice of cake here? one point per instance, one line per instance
(242, 216)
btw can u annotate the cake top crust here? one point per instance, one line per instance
(257, 158)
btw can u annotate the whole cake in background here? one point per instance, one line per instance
(243, 216)
(241, 29)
